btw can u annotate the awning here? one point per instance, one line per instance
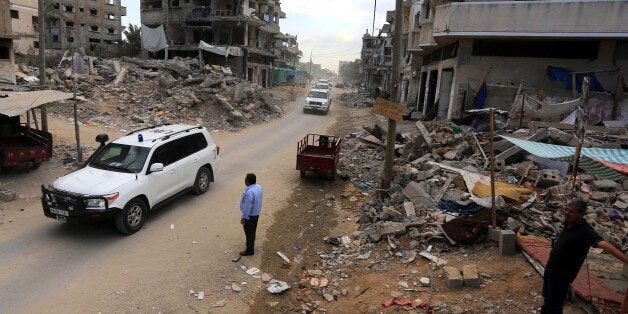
(15, 103)
(604, 162)
(221, 50)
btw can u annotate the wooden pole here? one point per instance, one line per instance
(618, 89)
(579, 135)
(574, 92)
(394, 78)
(493, 209)
(35, 118)
(79, 152)
(542, 93)
(523, 98)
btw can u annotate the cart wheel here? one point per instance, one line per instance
(36, 165)
(302, 173)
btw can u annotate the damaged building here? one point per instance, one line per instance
(7, 60)
(97, 26)
(466, 55)
(243, 35)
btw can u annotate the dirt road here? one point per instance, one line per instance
(185, 245)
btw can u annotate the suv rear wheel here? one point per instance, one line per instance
(132, 216)
(201, 184)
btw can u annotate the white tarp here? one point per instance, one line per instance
(221, 50)
(536, 110)
(15, 103)
(154, 39)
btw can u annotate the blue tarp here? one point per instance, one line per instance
(457, 208)
(564, 76)
(480, 98)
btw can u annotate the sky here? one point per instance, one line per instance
(331, 30)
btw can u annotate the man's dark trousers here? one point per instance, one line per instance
(555, 289)
(250, 226)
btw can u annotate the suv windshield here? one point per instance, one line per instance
(314, 94)
(120, 157)
(321, 86)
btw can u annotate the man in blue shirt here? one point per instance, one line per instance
(250, 206)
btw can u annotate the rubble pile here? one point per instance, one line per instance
(439, 200)
(147, 92)
(432, 169)
(355, 99)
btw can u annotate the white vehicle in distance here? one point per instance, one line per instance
(317, 99)
(322, 85)
(127, 178)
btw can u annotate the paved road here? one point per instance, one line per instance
(49, 267)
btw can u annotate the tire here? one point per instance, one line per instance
(304, 110)
(36, 165)
(201, 184)
(302, 173)
(132, 216)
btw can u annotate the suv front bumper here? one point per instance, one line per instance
(69, 207)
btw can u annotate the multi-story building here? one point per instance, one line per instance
(7, 61)
(25, 25)
(94, 25)
(452, 49)
(504, 43)
(287, 50)
(248, 28)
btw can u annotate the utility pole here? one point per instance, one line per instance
(374, 9)
(42, 43)
(309, 81)
(392, 124)
(42, 60)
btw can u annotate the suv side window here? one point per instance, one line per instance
(165, 154)
(195, 142)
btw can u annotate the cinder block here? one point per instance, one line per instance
(452, 277)
(7, 195)
(493, 234)
(470, 275)
(507, 242)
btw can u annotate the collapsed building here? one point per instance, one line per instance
(469, 55)
(243, 35)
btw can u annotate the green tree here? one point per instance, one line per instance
(132, 40)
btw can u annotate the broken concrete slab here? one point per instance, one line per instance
(424, 133)
(434, 259)
(416, 194)
(453, 278)
(7, 195)
(605, 185)
(505, 157)
(409, 209)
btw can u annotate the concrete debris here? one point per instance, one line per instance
(276, 286)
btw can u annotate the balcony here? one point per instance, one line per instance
(550, 19)
(426, 40)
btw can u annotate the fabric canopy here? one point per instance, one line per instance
(221, 50)
(604, 162)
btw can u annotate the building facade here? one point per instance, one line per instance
(25, 26)
(7, 59)
(94, 25)
(452, 49)
(250, 26)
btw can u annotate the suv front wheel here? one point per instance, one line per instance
(203, 178)
(132, 216)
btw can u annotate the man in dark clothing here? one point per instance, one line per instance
(568, 253)
(250, 206)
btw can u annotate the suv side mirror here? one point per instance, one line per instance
(156, 167)
(102, 138)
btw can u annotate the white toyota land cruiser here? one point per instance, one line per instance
(132, 175)
(317, 99)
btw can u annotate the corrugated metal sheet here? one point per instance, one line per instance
(590, 158)
(15, 103)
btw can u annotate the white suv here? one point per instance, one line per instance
(317, 99)
(132, 175)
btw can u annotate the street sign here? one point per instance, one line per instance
(388, 109)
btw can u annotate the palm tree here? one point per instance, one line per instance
(132, 40)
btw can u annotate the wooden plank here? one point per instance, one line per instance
(388, 109)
